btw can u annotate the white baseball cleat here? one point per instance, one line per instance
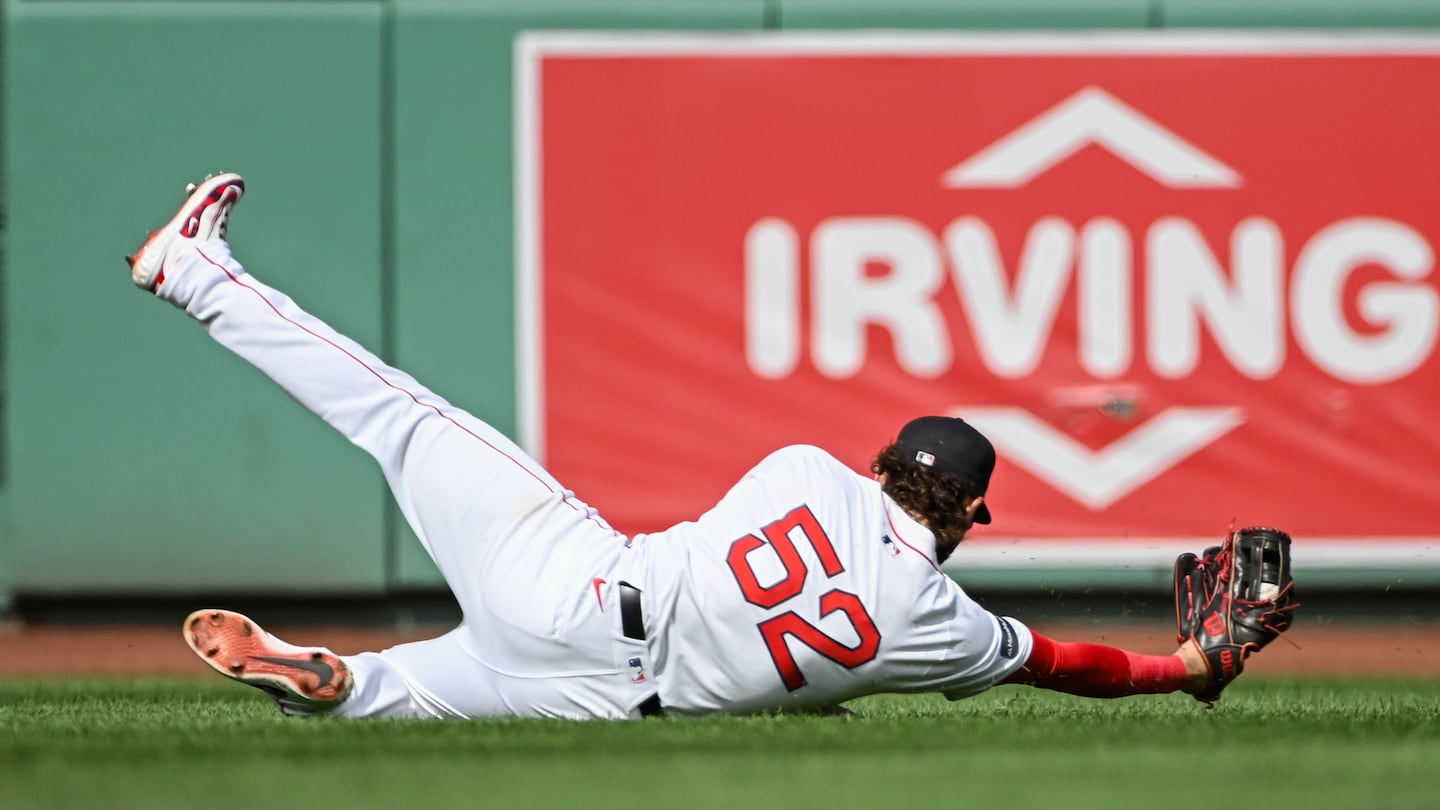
(302, 680)
(204, 216)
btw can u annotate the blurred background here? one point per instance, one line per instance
(1176, 257)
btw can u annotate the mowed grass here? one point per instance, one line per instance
(213, 744)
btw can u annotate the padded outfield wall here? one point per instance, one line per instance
(379, 141)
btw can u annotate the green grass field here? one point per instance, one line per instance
(1269, 744)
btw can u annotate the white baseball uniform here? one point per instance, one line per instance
(804, 586)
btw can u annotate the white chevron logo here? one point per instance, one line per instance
(1091, 116)
(1098, 479)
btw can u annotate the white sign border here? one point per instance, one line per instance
(530, 46)
(1310, 553)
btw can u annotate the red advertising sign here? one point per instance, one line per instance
(1177, 280)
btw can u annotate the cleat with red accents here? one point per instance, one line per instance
(301, 679)
(205, 215)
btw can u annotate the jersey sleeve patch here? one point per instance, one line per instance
(1009, 641)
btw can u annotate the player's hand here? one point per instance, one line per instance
(1197, 672)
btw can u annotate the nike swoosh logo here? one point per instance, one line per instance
(597, 582)
(324, 670)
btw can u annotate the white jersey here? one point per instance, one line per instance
(806, 585)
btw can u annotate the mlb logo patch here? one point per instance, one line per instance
(925, 458)
(637, 670)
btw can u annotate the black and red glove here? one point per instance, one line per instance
(1233, 600)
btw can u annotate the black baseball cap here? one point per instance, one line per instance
(948, 444)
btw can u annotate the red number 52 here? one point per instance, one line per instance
(776, 629)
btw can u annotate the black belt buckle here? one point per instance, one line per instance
(632, 624)
(632, 620)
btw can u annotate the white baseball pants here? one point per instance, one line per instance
(533, 568)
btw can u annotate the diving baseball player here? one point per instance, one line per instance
(805, 586)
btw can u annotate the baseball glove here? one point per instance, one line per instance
(1233, 600)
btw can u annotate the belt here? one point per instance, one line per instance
(632, 624)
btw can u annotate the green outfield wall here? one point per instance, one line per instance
(138, 458)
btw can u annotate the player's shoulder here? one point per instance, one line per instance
(801, 454)
(806, 458)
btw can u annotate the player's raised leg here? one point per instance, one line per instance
(204, 216)
(455, 477)
(520, 553)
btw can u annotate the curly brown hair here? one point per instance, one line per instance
(935, 499)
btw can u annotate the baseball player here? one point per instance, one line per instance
(805, 586)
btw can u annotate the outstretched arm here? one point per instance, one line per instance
(1095, 670)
